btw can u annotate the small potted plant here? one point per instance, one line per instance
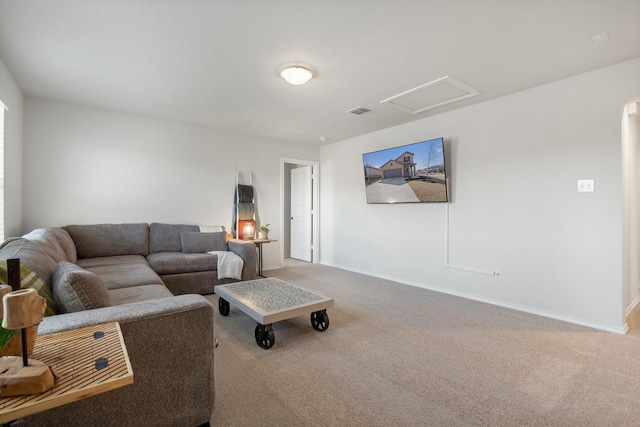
(263, 232)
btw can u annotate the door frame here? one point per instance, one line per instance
(286, 202)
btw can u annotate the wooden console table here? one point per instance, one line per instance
(87, 361)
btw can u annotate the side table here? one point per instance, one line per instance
(87, 361)
(259, 243)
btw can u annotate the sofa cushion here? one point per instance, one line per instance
(99, 240)
(76, 289)
(103, 261)
(138, 293)
(49, 242)
(126, 275)
(66, 243)
(167, 237)
(177, 262)
(197, 242)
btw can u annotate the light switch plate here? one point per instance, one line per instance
(585, 186)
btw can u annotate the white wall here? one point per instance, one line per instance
(89, 166)
(12, 97)
(513, 164)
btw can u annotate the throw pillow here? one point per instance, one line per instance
(29, 279)
(76, 289)
(198, 242)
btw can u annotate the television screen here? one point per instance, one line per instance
(413, 173)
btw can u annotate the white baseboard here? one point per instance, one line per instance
(633, 305)
(621, 330)
(271, 267)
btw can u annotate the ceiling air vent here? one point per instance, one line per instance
(444, 90)
(358, 111)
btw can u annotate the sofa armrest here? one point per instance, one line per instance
(246, 251)
(170, 344)
(124, 313)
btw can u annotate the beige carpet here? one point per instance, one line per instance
(397, 355)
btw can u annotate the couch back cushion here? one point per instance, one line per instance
(198, 242)
(168, 237)
(49, 242)
(76, 289)
(66, 243)
(98, 240)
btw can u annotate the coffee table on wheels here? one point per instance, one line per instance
(271, 300)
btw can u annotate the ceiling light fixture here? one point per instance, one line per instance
(296, 75)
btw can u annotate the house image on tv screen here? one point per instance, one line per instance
(403, 166)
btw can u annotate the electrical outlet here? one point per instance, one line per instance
(497, 274)
(585, 186)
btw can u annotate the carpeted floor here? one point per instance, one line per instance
(397, 355)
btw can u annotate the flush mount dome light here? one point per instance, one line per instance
(296, 75)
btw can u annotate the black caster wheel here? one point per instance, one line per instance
(265, 337)
(320, 320)
(223, 306)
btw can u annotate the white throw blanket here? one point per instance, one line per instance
(229, 265)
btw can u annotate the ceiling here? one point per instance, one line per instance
(216, 63)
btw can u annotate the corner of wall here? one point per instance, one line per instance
(13, 98)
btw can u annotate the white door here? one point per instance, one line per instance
(301, 213)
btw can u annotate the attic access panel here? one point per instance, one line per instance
(442, 91)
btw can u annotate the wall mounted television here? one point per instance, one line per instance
(413, 173)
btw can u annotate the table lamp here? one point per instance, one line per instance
(248, 231)
(21, 309)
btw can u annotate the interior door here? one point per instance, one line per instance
(301, 213)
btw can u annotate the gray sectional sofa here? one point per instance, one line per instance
(146, 277)
(116, 251)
